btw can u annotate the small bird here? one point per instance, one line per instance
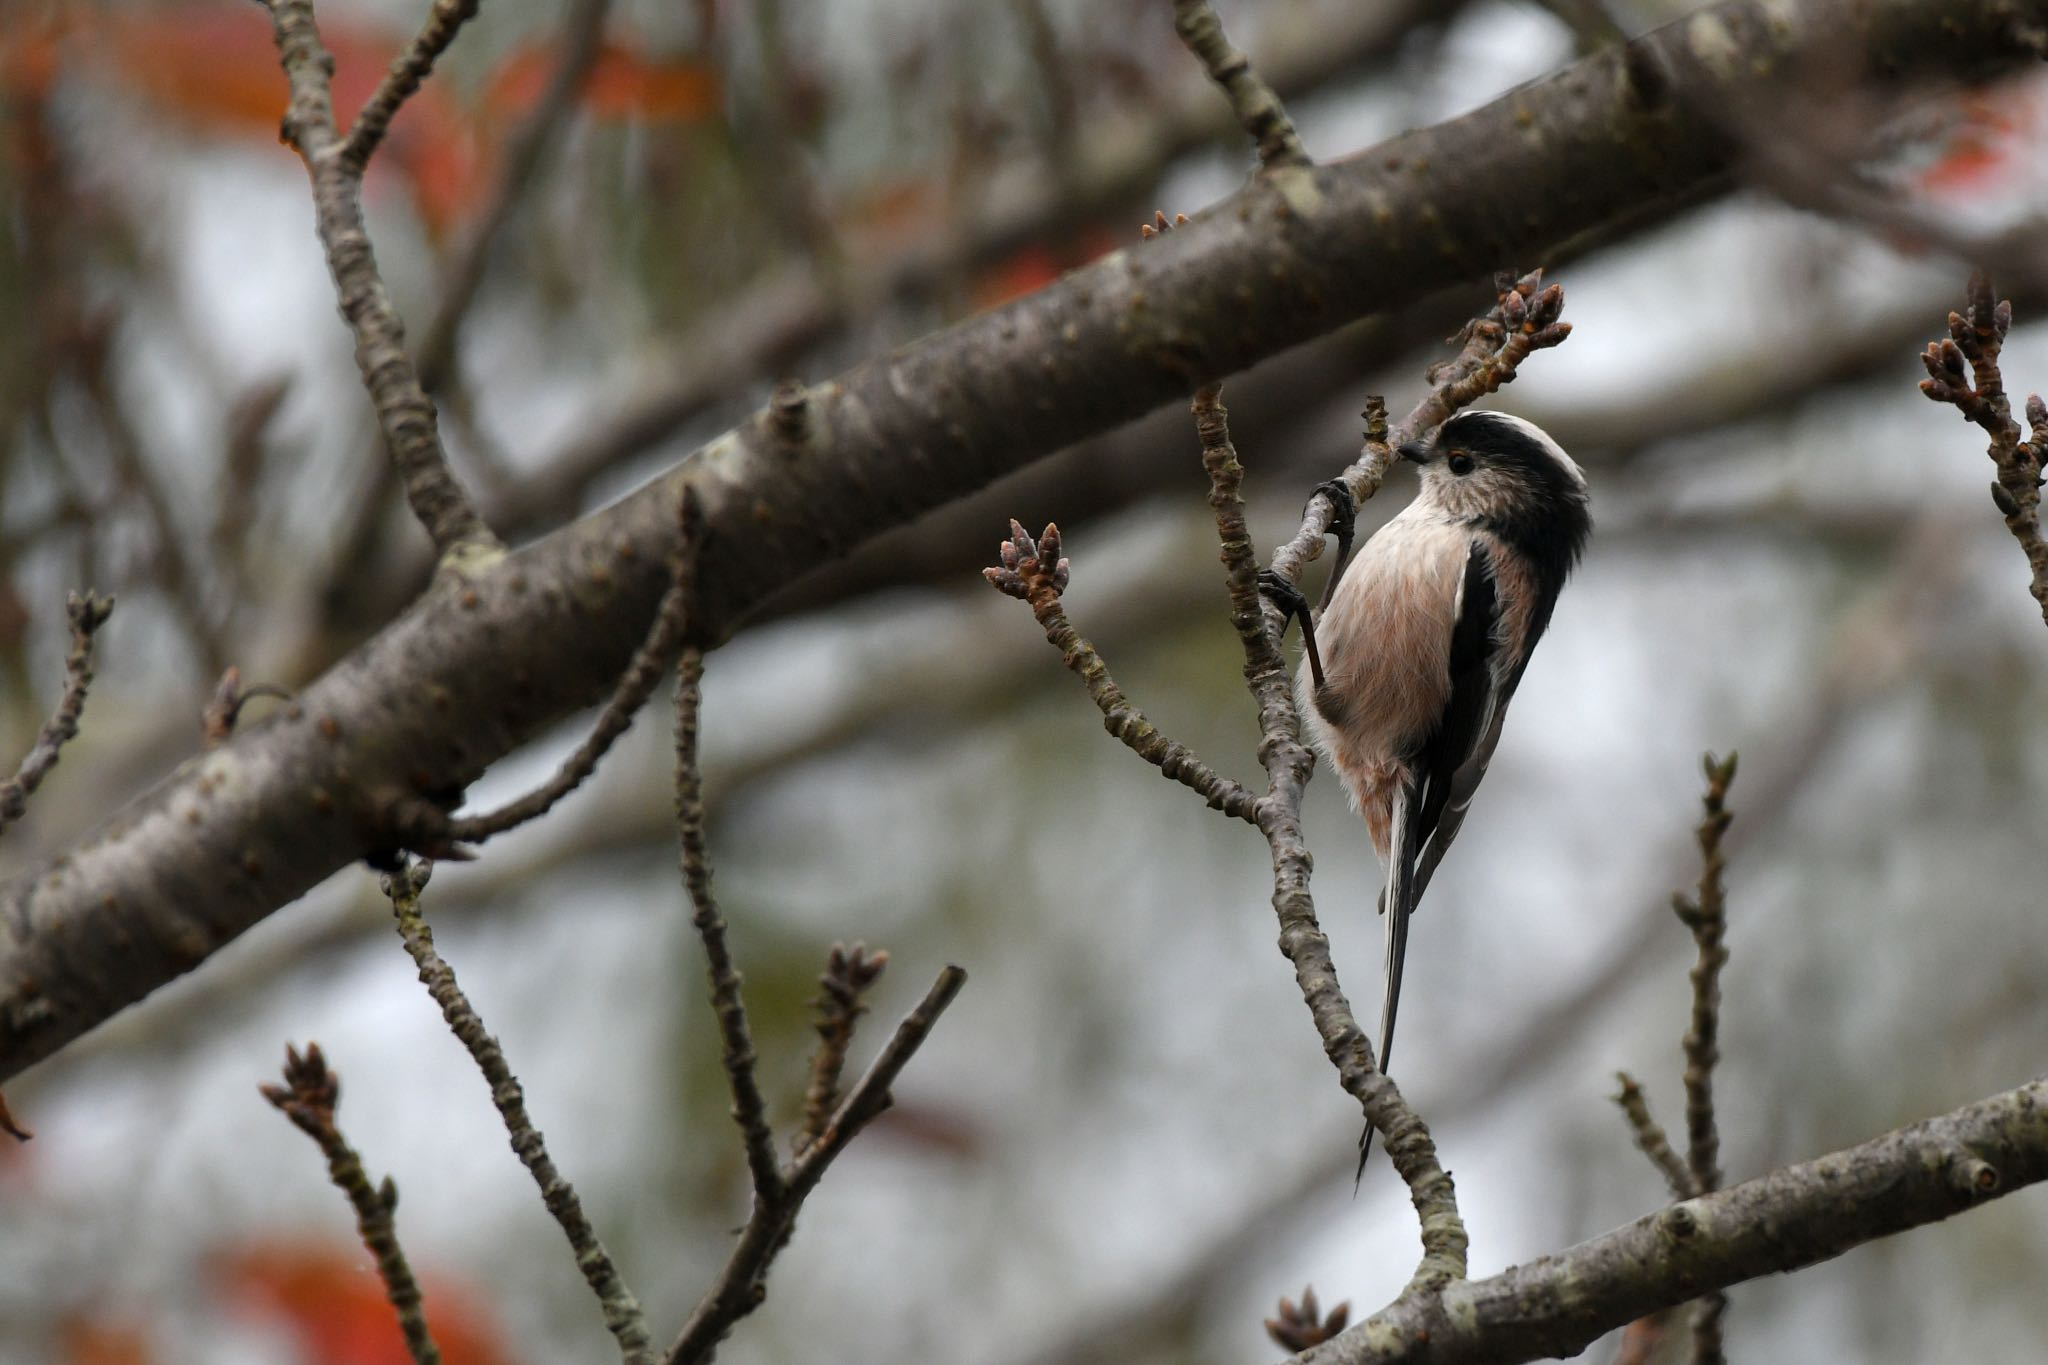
(1425, 639)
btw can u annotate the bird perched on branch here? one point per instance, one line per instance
(1425, 639)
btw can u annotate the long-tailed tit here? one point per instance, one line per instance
(1425, 639)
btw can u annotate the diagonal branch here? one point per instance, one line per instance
(1034, 572)
(1794, 1217)
(1258, 109)
(405, 416)
(408, 70)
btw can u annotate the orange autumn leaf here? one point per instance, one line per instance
(622, 84)
(331, 1299)
(94, 1341)
(1033, 267)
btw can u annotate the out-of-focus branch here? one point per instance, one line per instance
(405, 415)
(1796, 1216)
(622, 1315)
(408, 70)
(1706, 914)
(87, 614)
(1651, 1137)
(361, 542)
(1976, 339)
(581, 39)
(308, 1098)
(1258, 109)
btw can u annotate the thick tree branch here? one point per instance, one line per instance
(1794, 1217)
(478, 666)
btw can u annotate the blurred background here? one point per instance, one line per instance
(1123, 1143)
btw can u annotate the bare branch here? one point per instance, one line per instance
(1651, 1137)
(1558, 1305)
(1251, 99)
(87, 614)
(849, 974)
(308, 1098)
(749, 1110)
(1034, 572)
(1977, 338)
(405, 416)
(622, 1315)
(1706, 915)
(408, 69)
(742, 1284)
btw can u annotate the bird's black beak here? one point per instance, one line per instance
(1413, 451)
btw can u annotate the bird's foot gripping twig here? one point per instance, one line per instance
(1275, 588)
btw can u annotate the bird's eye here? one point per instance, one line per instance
(1460, 462)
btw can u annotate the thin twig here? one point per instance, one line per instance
(1706, 916)
(849, 974)
(405, 416)
(1251, 99)
(742, 1284)
(308, 1098)
(1651, 1137)
(1033, 571)
(622, 1315)
(408, 69)
(1977, 338)
(87, 614)
(643, 674)
(749, 1109)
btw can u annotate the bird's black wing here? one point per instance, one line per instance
(1446, 768)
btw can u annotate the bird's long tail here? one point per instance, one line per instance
(1397, 903)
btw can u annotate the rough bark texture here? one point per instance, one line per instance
(494, 652)
(1558, 1305)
